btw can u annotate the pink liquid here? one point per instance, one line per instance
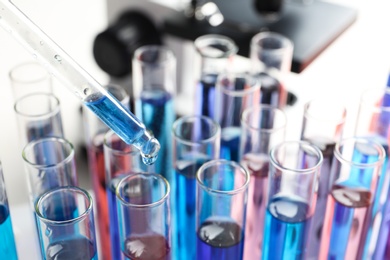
(343, 237)
(96, 166)
(258, 165)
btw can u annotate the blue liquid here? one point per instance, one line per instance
(155, 109)
(185, 197)
(230, 143)
(72, 248)
(113, 215)
(124, 124)
(205, 95)
(220, 239)
(287, 226)
(7, 240)
(45, 128)
(272, 91)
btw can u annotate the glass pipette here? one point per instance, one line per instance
(83, 85)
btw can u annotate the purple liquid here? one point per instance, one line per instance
(327, 148)
(258, 166)
(220, 239)
(147, 247)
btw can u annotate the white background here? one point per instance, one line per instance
(358, 59)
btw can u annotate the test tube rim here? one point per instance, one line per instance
(15, 79)
(54, 111)
(79, 218)
(162, 200)
(233, 192)
(340, 121)
(254, 86)
(381, 152)
(66, 160)
(275, 162)
(232, 47)
(170, 58)
(133, 151)
(261, 107)
(181, 140)
(287, 43)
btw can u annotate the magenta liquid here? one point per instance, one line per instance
(258, 166)
(151, 246)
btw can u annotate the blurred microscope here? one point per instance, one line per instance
(312, 25)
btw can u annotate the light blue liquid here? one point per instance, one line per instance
(185, 197)
(7, 240)
(124, 124)
(286, 229)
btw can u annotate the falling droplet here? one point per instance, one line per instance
(58, 58)
(35, 56)
(41, 42)
(87, 91)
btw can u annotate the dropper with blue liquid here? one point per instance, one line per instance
(128, 127)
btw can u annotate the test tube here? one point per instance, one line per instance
(293, 180)
(7, 245)
(72, 75)
(144, 217)
(29, 77)
(322, 126)
(259, 135)
(95, 130)
(196, 141)
(120, 159)
(154, 86)
(220, 210)
(38, 115)
(216, 52)
(271, 58)
(373, 122)
(357, 166)
(75, 230)
(234, 93)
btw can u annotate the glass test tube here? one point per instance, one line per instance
(38, 115)
(95, 130)
(293, 180)
(322, 126)
(259, 135)
(7, 239)
(29, 77)
(216, 51)
(220, 210)
(144, 217)
(66, 224)
(92, 94)
(357, 166)
(154, 85)
(234, 93)
(271, 58)
(196, 141)
(120, 160)
(373, 122)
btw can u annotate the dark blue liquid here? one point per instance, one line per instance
(287, 226)
(7, 240)
(205, 95)
(156, 110)
(185, 197)
(230, 143)
(272, 91)
(151, 246)
(72, 248)
(220, 239)
(45, 128)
